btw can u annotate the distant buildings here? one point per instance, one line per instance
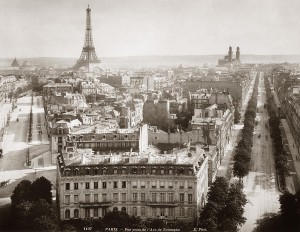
(228, 60)
(152, 186)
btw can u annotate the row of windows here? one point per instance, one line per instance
(80, 138)
(134, 184)
(127, 170)
(155, 212)
(135, 197)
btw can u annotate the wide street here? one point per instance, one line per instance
(260, 185)
(15, 146)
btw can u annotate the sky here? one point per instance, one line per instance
(56, 28)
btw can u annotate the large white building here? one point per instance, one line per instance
(149, 185)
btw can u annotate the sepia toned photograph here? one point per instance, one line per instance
(150, 115)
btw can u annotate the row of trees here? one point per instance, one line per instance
(225, 207)
(242, 155)
(281, 159)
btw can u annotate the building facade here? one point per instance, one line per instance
(170, 187)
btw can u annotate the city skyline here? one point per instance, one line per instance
(146, 28)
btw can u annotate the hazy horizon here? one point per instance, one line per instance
(124, 28)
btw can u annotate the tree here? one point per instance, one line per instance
(22, 214)
(116, 219)
(41, 189)
(21, 193)
(208, 217)
(218, 191)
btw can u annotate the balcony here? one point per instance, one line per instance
(96, 204)
(162, 204)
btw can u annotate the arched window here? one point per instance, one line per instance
(134, 170)
(170, 171)
(181, 171)
(76, 172)
(115, 209)
(123, 209)
(162, 171)
(115, 170)
(104, 171)
(67, 214)
(153, 170)
(124, 170)
(76, 213)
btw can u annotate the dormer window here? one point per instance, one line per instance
(93, 137)
(104, 137)
(115, 136)
(126, 136)
(104, 171)
(74, 137)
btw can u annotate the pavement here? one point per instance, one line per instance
(293, 152)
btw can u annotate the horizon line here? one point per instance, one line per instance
(35, 57)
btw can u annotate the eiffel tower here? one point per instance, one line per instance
(88, 58)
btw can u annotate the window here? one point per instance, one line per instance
(123, 209)
(104, 211)
(115, 184)
(181, 197)
(153, 212)
(162, 212)
(104, 171)
(190, 185)
(115, 171)
(162, 184)
(115, 197)
(143, 197)
(134, 184)
(190, 212)
(134, 197)
(123, 195)
(76, 213)
(87, 185)
(143, 212)
(170, 171)
(153, 170)
(134, 171)
(181, 184)
(95, 197)
(87, 197)
(143, 184)
(123, 170)
(104, 197)
(134, 211)
(67, 214)
(171, 212)
(67, 199)
(153, 197)
(95, 185)
(123, 184)
(87, 213)
(75, 199)
(67, 186)
(162, 171)
(162, 197)
(153, 184)
(171, 197)
(75, 186)
(96, 212)
(170, 184)
(181, 212)
(190, 198)
(104, 185)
